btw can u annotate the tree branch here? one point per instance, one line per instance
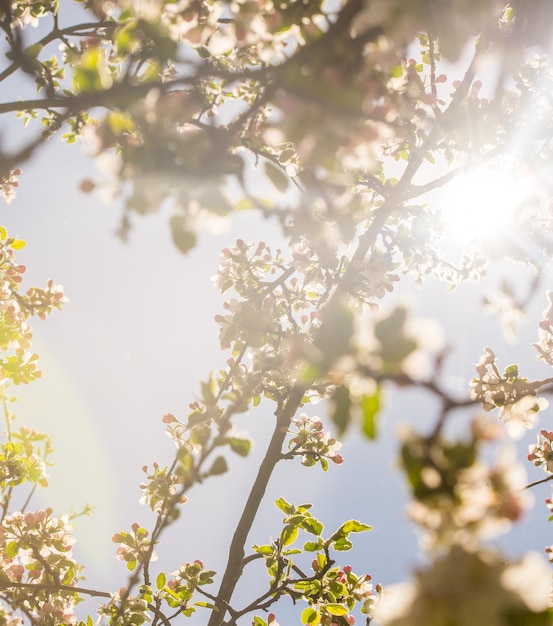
(235, 561)
(54, 588)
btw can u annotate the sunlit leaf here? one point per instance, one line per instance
(336, 609)
(310, 616)
(288, 535)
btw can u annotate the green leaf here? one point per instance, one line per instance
(396, 71)
(312, 525)
(258, 621)
(161, 580)
(266, 549)
(340, 406)
(208, 391)
(390, 332)
(205, 605)
(336, 609)
(120, 122)
(340, 537)
(240, 446)
(3, 233)
(92, 72)
(288, 535)
(286, 155)
(276, 176)
(219, 466)
(342, 545)
(353, 526)
(11, 549)
(310, 616)
(206, 577)
(311, 546)
(284, 506)
(17, 244)
(370, 406)
(183, 238)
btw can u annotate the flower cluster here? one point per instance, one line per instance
(23, 458)
(515, 396)
(125, 608)
(15, 309)
(541, 453)
(36, 549)
(162, 490)
(311, 443)
(396, 344)
(337, 592)
(27, 12)
(134, 547)
(178, 590)
(9, 185)
(465, 588)
(459, 499)
(277, 314)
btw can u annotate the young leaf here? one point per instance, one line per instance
(288, 535)
(284, 506)
(161, 580)
(17, 244)
(206, 605)
(353, 526)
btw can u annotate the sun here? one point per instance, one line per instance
(481, 205)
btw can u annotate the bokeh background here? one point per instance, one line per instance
(139, 334)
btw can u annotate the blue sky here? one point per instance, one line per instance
(133, 342)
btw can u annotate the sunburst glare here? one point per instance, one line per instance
(481, 206)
